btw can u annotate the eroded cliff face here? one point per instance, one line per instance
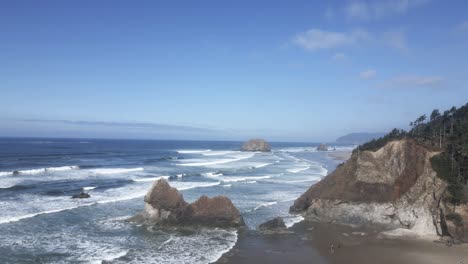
(394, 187)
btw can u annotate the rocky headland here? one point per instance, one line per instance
(394, 188)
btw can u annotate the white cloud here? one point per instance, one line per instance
(339, 56)
(395, 39)
(414, 81)
(316, 39)
(375, 9)
(368, 74)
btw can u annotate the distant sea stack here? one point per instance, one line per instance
(393, 187)
(322, 147)
(165, 206)
(256, 145)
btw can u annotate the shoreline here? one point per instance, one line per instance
(309, 242)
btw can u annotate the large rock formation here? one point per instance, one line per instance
(394, 187)
(256, 145)
(322, 147)
(216, 211)
(164, 205)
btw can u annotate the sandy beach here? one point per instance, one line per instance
(310, 243)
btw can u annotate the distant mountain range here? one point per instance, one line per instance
(358, 138)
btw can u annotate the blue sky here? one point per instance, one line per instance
(283, 70)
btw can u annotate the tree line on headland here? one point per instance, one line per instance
(446, 133)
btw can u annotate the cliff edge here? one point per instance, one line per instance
(394, 187)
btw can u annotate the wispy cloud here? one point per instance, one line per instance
(339, 56)
(376, 9)
(462, 27)
(368, 74)
(408, 81)
(396, 40)
(128, 125)
(317, 39)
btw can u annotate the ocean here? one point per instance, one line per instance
(40, 223)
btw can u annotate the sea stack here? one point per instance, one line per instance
(322, 147)
(393, 187)
(256, 145)
(165, 206)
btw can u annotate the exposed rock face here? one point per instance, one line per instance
(216, 211)
(164, 205)
(457, 223)
(322, 147)
(256, 145)
(394, 187)
(275, 225)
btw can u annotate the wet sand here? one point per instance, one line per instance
(310, 243)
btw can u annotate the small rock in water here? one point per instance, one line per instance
(273, 226)
(81, 195)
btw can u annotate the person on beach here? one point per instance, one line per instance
(332, 248)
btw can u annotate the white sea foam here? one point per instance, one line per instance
(111, 257)
(4, 185)
(150, 179)
(181, 186)
(115, 170)
(212, 174)
(219, 153)
(199, 163)
(62, 168)
(299, 169)
(5, 173)
(265, 205)
(239, 179)
(9, 219)
(39, 170)
(32, 171)
(261, 165)
(201, 247)
(323, 171)
(293, 219)
(89, 188)
(250, 182)
(165, 242)
(193, 151)
(50, 205)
